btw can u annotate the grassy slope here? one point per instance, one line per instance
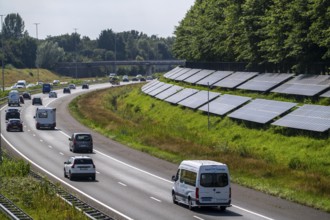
(294, 167)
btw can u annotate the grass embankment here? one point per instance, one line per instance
(35, 197)
(294, 167)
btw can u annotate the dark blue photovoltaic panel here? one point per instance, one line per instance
(152, 88)
(178, 73)
(306, 85)
(326, 94)
(198, 99)
(168, 92)
(262, 110)
(183, 94)
(307, 117)
(187, 74)
(199, 76)
(172, 71)
(265, 82)
(224, 104)
(160, 89)
(235, 79)
(149, 84)
(214, 77)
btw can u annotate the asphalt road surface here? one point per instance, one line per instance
(130, 184)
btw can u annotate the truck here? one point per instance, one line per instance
(201, 183)
(46, 88)
(45, 117)
(13, 98)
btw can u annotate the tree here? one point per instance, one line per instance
(13, 27)
(48, 54)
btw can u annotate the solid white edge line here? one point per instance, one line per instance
(67, 184)
(157, 200)
(254, 213)
(195, 216)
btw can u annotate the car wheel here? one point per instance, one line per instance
(22, 130)
(223, 208)
(190, 205)
(174, 198)
(93, 177)
(65, 176)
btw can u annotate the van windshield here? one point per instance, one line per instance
(83, 137)
(214, 179)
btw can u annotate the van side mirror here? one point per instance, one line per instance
(174, 178)
(70, 139)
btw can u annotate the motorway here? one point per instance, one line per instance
(130, 184)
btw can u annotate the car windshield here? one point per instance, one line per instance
(83, 161)
(214, 179)
(83, 137)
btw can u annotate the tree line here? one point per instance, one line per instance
(23, 51)
(281, 32)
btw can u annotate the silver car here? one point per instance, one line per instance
(81, 142)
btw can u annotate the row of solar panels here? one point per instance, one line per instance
(306, 117)
(285, 83)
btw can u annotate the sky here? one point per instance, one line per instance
(90, 17)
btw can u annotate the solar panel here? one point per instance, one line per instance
(199, 99)
(265, 82)
(307, 117)
(149, 84)
(214, 77)
(185, 93)
(187, 74)
(178, 73)
(224, 104)
(326, 94)
(198, 76)
(235, 79)
(160, 89)
(172, 71)
(261, 110)
(168, 92)
(152, 88)
(307, 85)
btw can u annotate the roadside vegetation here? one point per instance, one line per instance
(291, 165)
(33, 196)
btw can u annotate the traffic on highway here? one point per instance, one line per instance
(126, 183)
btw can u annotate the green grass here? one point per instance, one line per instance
(33, 196)
(287, 164)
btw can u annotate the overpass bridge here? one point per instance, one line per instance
(147, 63)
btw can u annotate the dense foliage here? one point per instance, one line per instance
(23, 51)
(256, 31)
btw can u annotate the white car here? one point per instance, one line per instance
(52, 94)
(79, 166)
(72, 86)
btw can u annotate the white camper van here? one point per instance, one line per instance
(13, 98)
(199, 183)
(45, 117)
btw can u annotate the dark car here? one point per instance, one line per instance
(81, 142)
(142, 79)
(114, 81)
(36, 101)
(12, 113)
(26, 95)
(14, 124)
(66, 90)
(85, 86)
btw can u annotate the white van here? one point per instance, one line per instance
(13, 98)
(21, 84)
(45, 117)
(199, 183)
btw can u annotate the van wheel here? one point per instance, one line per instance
(190, 205)
(65, 176)
(174, 198)
(223, 208)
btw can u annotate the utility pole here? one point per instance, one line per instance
(75, 49)
(3, 56)
(37, 64)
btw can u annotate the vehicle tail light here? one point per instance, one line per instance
(230, 192)
(197, 193)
